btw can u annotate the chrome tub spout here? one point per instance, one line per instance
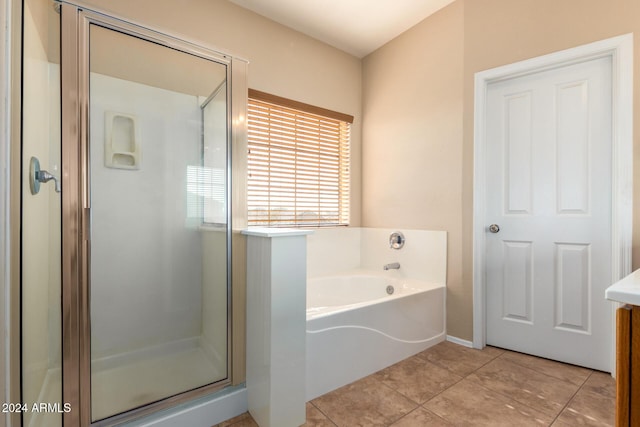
(392, 266)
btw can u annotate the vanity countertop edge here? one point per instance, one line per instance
(626, 290)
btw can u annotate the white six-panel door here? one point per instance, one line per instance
(548, 163)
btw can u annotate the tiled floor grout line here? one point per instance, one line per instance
(462, 378)
(421, 407)
(410, 412)
(320, 410)
(492, 359)
(406, 397)
(555, 419)
(506, 396)
(542, 373)
(526, 367)
(572, 397)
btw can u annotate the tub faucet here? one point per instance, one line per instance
(392, 266)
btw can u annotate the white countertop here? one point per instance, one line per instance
(626, 290)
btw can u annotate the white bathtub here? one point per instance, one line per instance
(355, 328)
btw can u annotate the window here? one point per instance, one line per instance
(298, 163)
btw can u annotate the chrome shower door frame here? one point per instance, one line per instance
(76, 238)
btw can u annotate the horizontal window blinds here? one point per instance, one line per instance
(298, 167)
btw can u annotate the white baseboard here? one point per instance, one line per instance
(459, 341)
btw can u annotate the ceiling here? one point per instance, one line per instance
(356, 26)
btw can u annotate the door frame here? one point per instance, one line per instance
(620, 50)
(5, 188)
(10, 193)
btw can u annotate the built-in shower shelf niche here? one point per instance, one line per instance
(122, 141)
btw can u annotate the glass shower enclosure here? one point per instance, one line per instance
(132, 312)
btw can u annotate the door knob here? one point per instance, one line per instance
(37, 175)
(494, 228)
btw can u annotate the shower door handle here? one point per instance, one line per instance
(37, 176)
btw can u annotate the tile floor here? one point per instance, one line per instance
(451, 385)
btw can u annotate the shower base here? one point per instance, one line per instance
(120, 387)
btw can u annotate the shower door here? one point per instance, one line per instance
(146, 219)
(40, 236)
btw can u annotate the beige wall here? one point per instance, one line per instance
(412, 133)
(495, 33)
(282, 61)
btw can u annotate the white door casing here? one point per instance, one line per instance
(573, 207)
